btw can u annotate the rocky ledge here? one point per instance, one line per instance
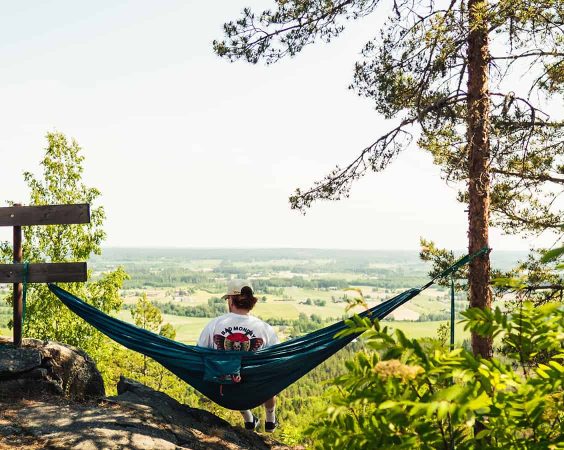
(52, 396)
(39, 368)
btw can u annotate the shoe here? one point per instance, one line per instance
(270, 426)
(252, 425)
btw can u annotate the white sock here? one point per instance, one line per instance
(270, 414)
(247, 415)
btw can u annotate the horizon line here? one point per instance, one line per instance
(150, 247)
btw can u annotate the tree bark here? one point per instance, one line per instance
(478, 122)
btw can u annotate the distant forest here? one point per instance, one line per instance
(387, 269)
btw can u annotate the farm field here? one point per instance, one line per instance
(189, 328)
(415, 330)
(293, 301)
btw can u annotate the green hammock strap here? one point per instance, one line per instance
(25, 272)
(457, 265)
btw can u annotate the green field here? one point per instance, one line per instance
(292, 301)
(289, 306)
(189, 328)
(427, 329)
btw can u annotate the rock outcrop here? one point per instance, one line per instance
(43, 367)
(137, 418)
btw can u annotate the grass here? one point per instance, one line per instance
(187, 328)
(336, 310)
(416, 330)
(286, 310)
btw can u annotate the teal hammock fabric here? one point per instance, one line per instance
(236, 380)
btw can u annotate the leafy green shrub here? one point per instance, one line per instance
(405, 393)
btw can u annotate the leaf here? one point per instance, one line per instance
(449, 393)
(443, 409)
(510, 282)
(387, 404)
(483, 433)
(482, 402)
(557, 366)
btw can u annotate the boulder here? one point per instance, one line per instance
(45, 368)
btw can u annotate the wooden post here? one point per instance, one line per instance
(18, 287)
(17, 273)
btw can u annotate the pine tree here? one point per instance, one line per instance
(476, 110)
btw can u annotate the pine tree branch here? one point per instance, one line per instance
(337, 184)
(526, 176)
(529, 54)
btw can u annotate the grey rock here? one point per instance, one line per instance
(138, 418)
(10, 431)
(15, 361)
(43, 367)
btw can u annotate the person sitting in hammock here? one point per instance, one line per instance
(238, 330)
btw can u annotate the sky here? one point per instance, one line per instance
(190, 150)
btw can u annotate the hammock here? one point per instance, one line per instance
(234, 379)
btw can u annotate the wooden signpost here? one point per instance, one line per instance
(17, 216)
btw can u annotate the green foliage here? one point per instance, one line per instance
(405, 393)
(6, 314)
(538, 279)
(553, 255)
(441, 259)
(146, 315)
(61, 183)
(168, 331)
(140, 367)
(301, 402)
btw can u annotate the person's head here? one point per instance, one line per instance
(240, 295)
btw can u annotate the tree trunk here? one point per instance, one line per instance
(478, 122)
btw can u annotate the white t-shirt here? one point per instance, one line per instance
(237, 332)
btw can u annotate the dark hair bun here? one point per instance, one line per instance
(246, 291)
(246, 300)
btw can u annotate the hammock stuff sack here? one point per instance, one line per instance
(235, 379)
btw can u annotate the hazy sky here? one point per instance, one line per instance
(192, 151)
